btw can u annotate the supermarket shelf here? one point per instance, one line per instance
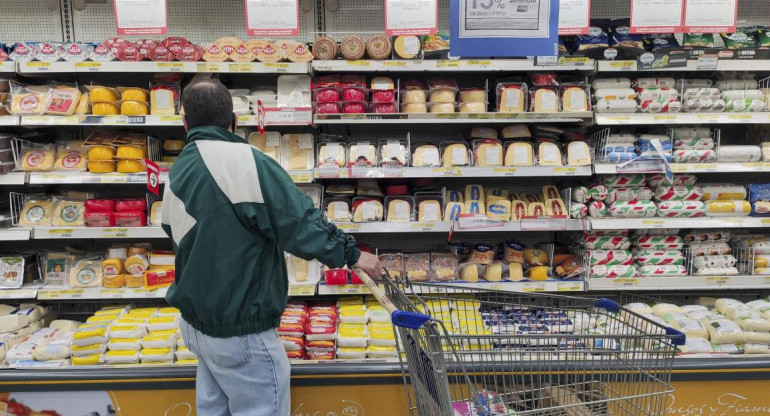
(7, 66)
(13, 178)
(703, 222)
(28, 291)
(15, 234)
(430, 65)
(38, 178)
(55, 233)
(463, 226)
(9, 120)
(464, 171)
(443, 118)
(545, 286)
(692, 66)
(147, 66)
(683, 118)
(298, 117)
(683, 283)
(302, 289)
(606, 169)
(65, 293)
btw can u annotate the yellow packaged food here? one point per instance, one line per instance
(130, 166)
(134, 108)
(36, 212)
(62, 101)
(28, 103)
(38, 159)
(134, 281)
(134, 94)
(86, 273)
(95, 359)
(88, 334)
(187, 362)
(101, 166)
(131, 153)
(104, 109)
(115, 281)
(98, 153)
(101, 94)
(69, 214)
(70, 159)
(168, 310)
(112, 266)
(113, 310)
(84, 105)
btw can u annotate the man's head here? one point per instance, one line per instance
(208, 103)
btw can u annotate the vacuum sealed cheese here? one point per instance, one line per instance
(86, 273)
(62, 101)
(68, 214)
(38, 159)
(297, 152)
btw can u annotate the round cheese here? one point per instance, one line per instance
(407, 47)
(103, 95)
(214, 53)
(414, 108)
(134, 108)
(414, 96)
(101, 153)
(101, 166)
(476, 95)
(268, 52)
(130, 166)
(325, 48)
(104, 109)
(472, 107)
(299, 53)
(442, 95)
(441, 107)
(378, 47)
(352, 47)
(131, 152)
(135, 94)
(72, 159)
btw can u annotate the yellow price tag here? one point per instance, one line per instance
(656, 223)
(448, 64)
(357, 289)
(171, 119)
(61, 231)
(277, 66)
(573, 60)
(170, 66)
(49, 294)
(359, 63)
(301, 290)
(478, 63)
(565, 170)
(767, 280)
(394, 64)
(718, 280)
(619, 118)
(72, 293)
(479, 116)
(240, 68)
(109, 178)
(447, 171)
(88, 65)
(450, 116)
(203, 67)
(664, 118)
(765, 221)
(734, 222)
(111, 293)
(301, 177)
(496, 286)
(626, 282)
(423, 226)
(569, 286)
(533, 287)
(739, 116)
(40, 65)
(243, 119)
(623, 65)
(679, 167)
(351, 227)
(505, 171)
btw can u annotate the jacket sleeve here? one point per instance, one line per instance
(289, 218)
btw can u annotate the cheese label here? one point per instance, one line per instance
(577, 99)
(513, 98)
(430, 212)
(402, 211)
(493, 156)
(458, 155)
(305, 142)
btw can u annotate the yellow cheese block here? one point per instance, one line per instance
(84, 105)
(469, 273)
(103, 94)
(104, 109)
(268, 143)
(512, 100)
(455, 196)
(538, 273)
(130, 166)
(515, 272)
(101, 153)
(300, 151)
(300, 268)
(574, 99)
(441, 107)
(555, 206)
(134, 281)
(549, 154)
(38, 160)
(493, 272)
(338, 211)
(499, 210)
(135, 94)
(101, 166)
(443, 95)
(426, 155)
(368, 211)
(112, 267)
(545, 101)
(134, 108)
(536, 209)
(496, 194)
(518, 210)
(489, 153)
(578, 154)
(472, 107)
(155, 210)
(131, 153)
(399, 210)
(452, 210)
(414, 96)
(455, 154)
(475, 207)
(429, 211)
(519, 154)
(162, 102)
(550, 192)
(113, 281)
(474, 193)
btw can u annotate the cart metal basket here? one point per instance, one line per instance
(486, 352)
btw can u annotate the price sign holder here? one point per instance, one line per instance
(656, 16)
(411, 17)
(574, 17)
(272, 17)
(148, 17)
(710, 16)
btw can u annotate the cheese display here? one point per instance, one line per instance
(519, 154)
(367, 210)
(488, 152)
(455, 154)
(399, 209)
(297, 151)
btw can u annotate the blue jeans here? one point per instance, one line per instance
(240, 376)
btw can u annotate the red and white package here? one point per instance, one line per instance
(317, 331)
(291, 330)
(161, 53)
(655, 106)
(384, 108)
(102, 53)
(99, 219)
(327, 108)
(131, 219)
(353, 94)
(326, 95)
(23, 52)
(175, 44)
(296, 355)
(100, 205)
(316, 354)
(293, 343)
(129, 53)
(190, 53)
(115, 44)
(354, 107)
(133, 204)
(353, 80)
(383, 96)
(76, 52)
(49, 52)
(326, 81)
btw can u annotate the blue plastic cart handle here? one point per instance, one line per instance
(610, 305)
(680, 337)
(411, 320)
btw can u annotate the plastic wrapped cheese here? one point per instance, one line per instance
(730, 208)
(519, 154)
(739, 153)
(723, 331)
(633, 209)
(692, 328)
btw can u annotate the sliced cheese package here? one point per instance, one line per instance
(367, 210)
(544, 100)
(512, 97)
(268, 143)
(519, 154)
(332, 154)
(297, 151)
(429, 210)
(574, 98)
(425, 156)
(488, 152)
(549, 154)
(454, 154)
(338, 210)
(399, 209)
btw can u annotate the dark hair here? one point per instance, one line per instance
(207, 103)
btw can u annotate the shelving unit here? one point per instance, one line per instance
(155, 67)
(58, 233)
(295, 116)
(733, 65)
(460, 118)
(747, 167)
(679, 283)
(462, 171)
(606, 119)
(463, 65)
(677, 223)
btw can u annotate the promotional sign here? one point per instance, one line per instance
(272, 17)
(153, 176)
(141, 17)
(710, 16)
(574, 17)
(656, 16)
(411, 17)
(504, 28)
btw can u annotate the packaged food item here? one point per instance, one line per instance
(444, 267)
(417, 267)
(36, 212)
(352, 47)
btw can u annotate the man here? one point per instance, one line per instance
(232, 211)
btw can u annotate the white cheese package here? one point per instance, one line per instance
(615, 94)
(656, 94)
(737, 84)
(624, 181)
(651, 270)
(685, 83)
(704, 105)
(610, 83)
(597, 209)
(692, 328)
(610, 257)
(660, 106)
(730, 208)
(632, 209)
(739, 153)
(593, 242)
(678, 193)
(659, 242)
(723, 191)
(693, 156)
(691, 132)
(699, 143)
(616, 106)
(660, 257)
(722, 331)
(742, 95)
(706, 237)
(655, 180)
(727, 260)
(650, 82)
(629, 194)
(717, 271)
(681, 209)
(745, 106)
(709, 93)
(617, 271)
(709, 249)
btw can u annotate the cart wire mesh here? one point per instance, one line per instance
(486, 352)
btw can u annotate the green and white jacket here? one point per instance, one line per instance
(232, 211)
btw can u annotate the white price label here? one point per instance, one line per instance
(546, 60)
(574, 17)
(656, 16)
(708, 62)
(411, 17)
(505, 18)
(710, 16)
(328, 171)
(141, 17)
(272, 17)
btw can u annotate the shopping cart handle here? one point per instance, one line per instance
(610, 305)
(679, 337)
(411, 320)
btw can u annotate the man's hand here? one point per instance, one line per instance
(370, 264)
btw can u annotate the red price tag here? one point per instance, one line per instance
(147, 17)
(710, 16)
(272, 17)
(656, 16)
(411, 17)
(153, 177)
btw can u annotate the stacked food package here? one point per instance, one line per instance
(544, 93)
(710, 254)
(377, 47)
(18, 323)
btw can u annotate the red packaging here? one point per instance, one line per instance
(354, 279)
(154, 279)
(396, 190)
(100, 205)
(320, 355)
(383, 96)
(326, 81)
(545, 80)
(294, 304)
(134, 204)
(161, 53)
(129, 53)
(99, 219)
(293, 343)
(114, 44)
(320, 332)
(354, 108)
(327, 108)
(3, 55)
(413, 84)
(384, 108)
(326, 95)
(102, 53)
(175, 44)
(296, 355)
(353, 80)
(353, 94)
(320, 344)
(131, 219)
(145, 47)
(190, 53)
(291, 330)
(336, 277)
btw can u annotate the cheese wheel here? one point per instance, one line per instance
(414, 96)
(474, 95)
(352, 47)
(443, 95)
(113, 281)
(134, 94)
(101, 166)
(130, 166)
(325, 48)
(68, 214)
(134, 108)
(441, 107)
(378, 47)
(104, 109)
(415, 108)
(103, 95)
(407, 47)
(473, 107)
(131, 153)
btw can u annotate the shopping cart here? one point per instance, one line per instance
(486, 352)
